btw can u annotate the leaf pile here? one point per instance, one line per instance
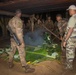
(48, 51)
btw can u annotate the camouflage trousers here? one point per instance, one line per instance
(21, 51)
(70, 52)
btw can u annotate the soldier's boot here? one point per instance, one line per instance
(69, 65)
(11, 65)
(28, 69)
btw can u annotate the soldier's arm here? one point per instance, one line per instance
(32, 27)
(71, 25)
(69, 33)
(19, 32)
(12, 25)
(35, 18)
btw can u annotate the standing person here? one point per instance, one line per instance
(61, 24)
(16, 25)
(49, 23)
(28, 25)
(33, 19)
(70, 38)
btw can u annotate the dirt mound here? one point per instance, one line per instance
(43, 68)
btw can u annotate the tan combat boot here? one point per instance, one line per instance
(28, 69)
(11, 65)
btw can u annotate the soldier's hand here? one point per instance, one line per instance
(22, 45)
(64, 44)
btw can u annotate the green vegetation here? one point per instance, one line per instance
(48, 51)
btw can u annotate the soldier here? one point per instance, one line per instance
(70, 38)
(38, 24)
(49, 23)
(16, 25)
(28, 25)
(33, 19)
(61, 24)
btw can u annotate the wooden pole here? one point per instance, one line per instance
(51, 32)
(11, 13)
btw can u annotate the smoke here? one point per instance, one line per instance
(34, 38)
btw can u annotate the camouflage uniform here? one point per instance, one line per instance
(49, 25)
(16, 25)
(62, 27)
(38, 25)
(71, 43)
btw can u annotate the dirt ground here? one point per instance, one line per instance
(43, 68)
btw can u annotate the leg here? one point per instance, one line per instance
(70, 53)
(22, 55)
(12, 51)
(23, 61)
(11, 54)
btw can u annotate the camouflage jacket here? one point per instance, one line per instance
(62, 26)
(49, 25)
(16, 25)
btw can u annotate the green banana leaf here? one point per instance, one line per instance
(48, 51)
(37, 54)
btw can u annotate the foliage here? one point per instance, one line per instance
(48, 51)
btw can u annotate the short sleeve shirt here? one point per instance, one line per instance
(72, 24)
